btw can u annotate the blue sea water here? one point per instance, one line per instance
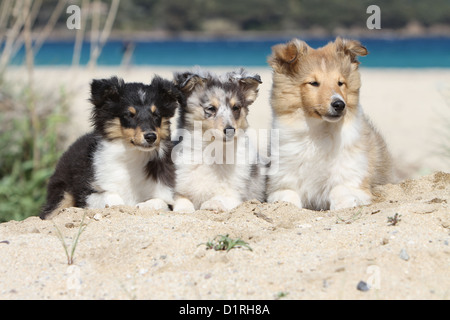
(384, 53)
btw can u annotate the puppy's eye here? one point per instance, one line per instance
(236, 108)
(211, 109)
(314, 83)
(340, 83)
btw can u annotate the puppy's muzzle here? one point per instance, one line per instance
(338, 106)
(146, 141)
(229, 132)
(336, 111)
(150, 137)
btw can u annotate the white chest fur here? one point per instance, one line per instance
(315, 157)
(201, 177)
(121, 177)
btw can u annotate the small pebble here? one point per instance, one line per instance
(4, 242)
(98, 217)
(341, 269)
(404, 255)
(143, 271)
(362, 286)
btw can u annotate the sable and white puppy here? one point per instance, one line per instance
(329, 156)
(126, 160)
(216, 165)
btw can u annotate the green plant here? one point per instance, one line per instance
(281, 295)
(394, 220)
(357, 215)
(225, 243)
(29, 150)
(70, 254)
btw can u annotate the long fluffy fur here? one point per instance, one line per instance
(216, 103)
(126, 160)
(326, 159)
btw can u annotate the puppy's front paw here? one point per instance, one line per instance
(344, 203)
(184, 205)
(112, 199)
(343, 198)
(221, 203)
(286, 196)
(154, 204)
(213, 205)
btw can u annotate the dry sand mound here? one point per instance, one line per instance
(125, 253)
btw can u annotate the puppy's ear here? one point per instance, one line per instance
(352, 48)
(188, 81)
(106, 90)
(248, 82)
(285, 57)
(170, 97)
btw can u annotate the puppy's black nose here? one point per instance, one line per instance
(229, 131)
(150, 137)
(338, 105)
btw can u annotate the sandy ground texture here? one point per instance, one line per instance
(126, 253)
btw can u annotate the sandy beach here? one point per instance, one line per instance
(125, 253)
(398, 246)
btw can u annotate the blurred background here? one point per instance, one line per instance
(229, 33)
(46, 66)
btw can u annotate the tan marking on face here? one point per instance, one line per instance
(132, 110)
(233, 102)
(215, 102)
(163, 132)
(113, 129)
(241, 122)
(134, 136)
(153, 108)
(218, 125)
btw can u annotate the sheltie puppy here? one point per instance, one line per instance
(216, 165)
(126, 159)
(329, 156)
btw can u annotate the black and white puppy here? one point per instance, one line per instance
(217, 167)
(126, 160)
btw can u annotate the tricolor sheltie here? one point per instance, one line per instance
(126, 160)
(329, 155)
(216, 166)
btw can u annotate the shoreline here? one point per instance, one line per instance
(408, 32)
